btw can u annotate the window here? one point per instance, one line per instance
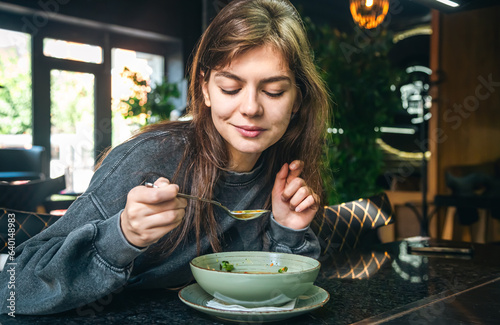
(72, 127)
(72, 51)
(62, 86)
(15, 91)
(149, 67)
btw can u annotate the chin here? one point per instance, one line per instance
(251, 150)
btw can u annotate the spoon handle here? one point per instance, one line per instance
(186, 196)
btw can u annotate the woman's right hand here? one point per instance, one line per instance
(150, 213)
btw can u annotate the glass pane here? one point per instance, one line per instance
(72, 51)
(15, 91)
(125, 63)
(72, 132)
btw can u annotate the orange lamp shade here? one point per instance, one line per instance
(369, 14)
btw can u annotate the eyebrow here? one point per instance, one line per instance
(230, 75)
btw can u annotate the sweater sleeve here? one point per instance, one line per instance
(61, 272)
(287, 240)
(84, 255)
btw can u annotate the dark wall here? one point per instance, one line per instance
(160, 16)
(184, 19)
(179, 19)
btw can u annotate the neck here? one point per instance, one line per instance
(243, 162)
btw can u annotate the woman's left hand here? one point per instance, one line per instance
(294, 203)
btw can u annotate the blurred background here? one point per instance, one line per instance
(414, 84)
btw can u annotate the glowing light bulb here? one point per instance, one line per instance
(369, 14)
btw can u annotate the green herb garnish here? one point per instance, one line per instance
(283, 269)
(226, 266)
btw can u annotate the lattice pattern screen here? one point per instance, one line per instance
(26, 225)
(343, 225)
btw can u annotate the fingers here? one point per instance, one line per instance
(299, 196)
(162, 181)
(294, 189)
(287, 174)
(296, 186)
(296, 168)
(142, 232)
(156, 224)
(162, 192)
(310, 202)
(280, 181)
(148, 209)
(151, 212)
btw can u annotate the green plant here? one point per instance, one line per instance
(15, 93)
(154, 103)
(359, 74)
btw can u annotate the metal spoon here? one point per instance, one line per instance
(238, 214)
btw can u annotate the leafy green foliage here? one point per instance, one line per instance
(71, 96)
(72, 101)
(153, 102)
(15, 94)
(359, 75)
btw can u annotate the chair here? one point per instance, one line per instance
(26, 225)
(28, 196)
(21, 163)
(475, 191)
(352, 224)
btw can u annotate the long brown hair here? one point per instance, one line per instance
(239, 27)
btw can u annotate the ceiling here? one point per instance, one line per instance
(165, 16)
(403, 14)
(464, 5)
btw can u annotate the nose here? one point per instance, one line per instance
(250, 105)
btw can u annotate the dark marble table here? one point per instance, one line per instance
(389, 284)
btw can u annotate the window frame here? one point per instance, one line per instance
(93, 33)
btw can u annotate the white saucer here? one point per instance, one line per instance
(194, 296)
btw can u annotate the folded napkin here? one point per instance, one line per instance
(219, 304)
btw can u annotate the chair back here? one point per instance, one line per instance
(24, 225)
(346, 225)
(30, 195)
(475, 185)
(21, 163)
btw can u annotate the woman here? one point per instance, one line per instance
(258, 110)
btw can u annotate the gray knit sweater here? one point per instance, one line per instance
(85, 256)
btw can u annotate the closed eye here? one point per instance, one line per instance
(274, 95)
(229, 92)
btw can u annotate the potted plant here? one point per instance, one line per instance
(149, 104)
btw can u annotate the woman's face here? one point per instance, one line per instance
(251, 102)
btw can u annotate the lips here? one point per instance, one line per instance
(249, 131)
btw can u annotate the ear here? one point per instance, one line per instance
(204, 88)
